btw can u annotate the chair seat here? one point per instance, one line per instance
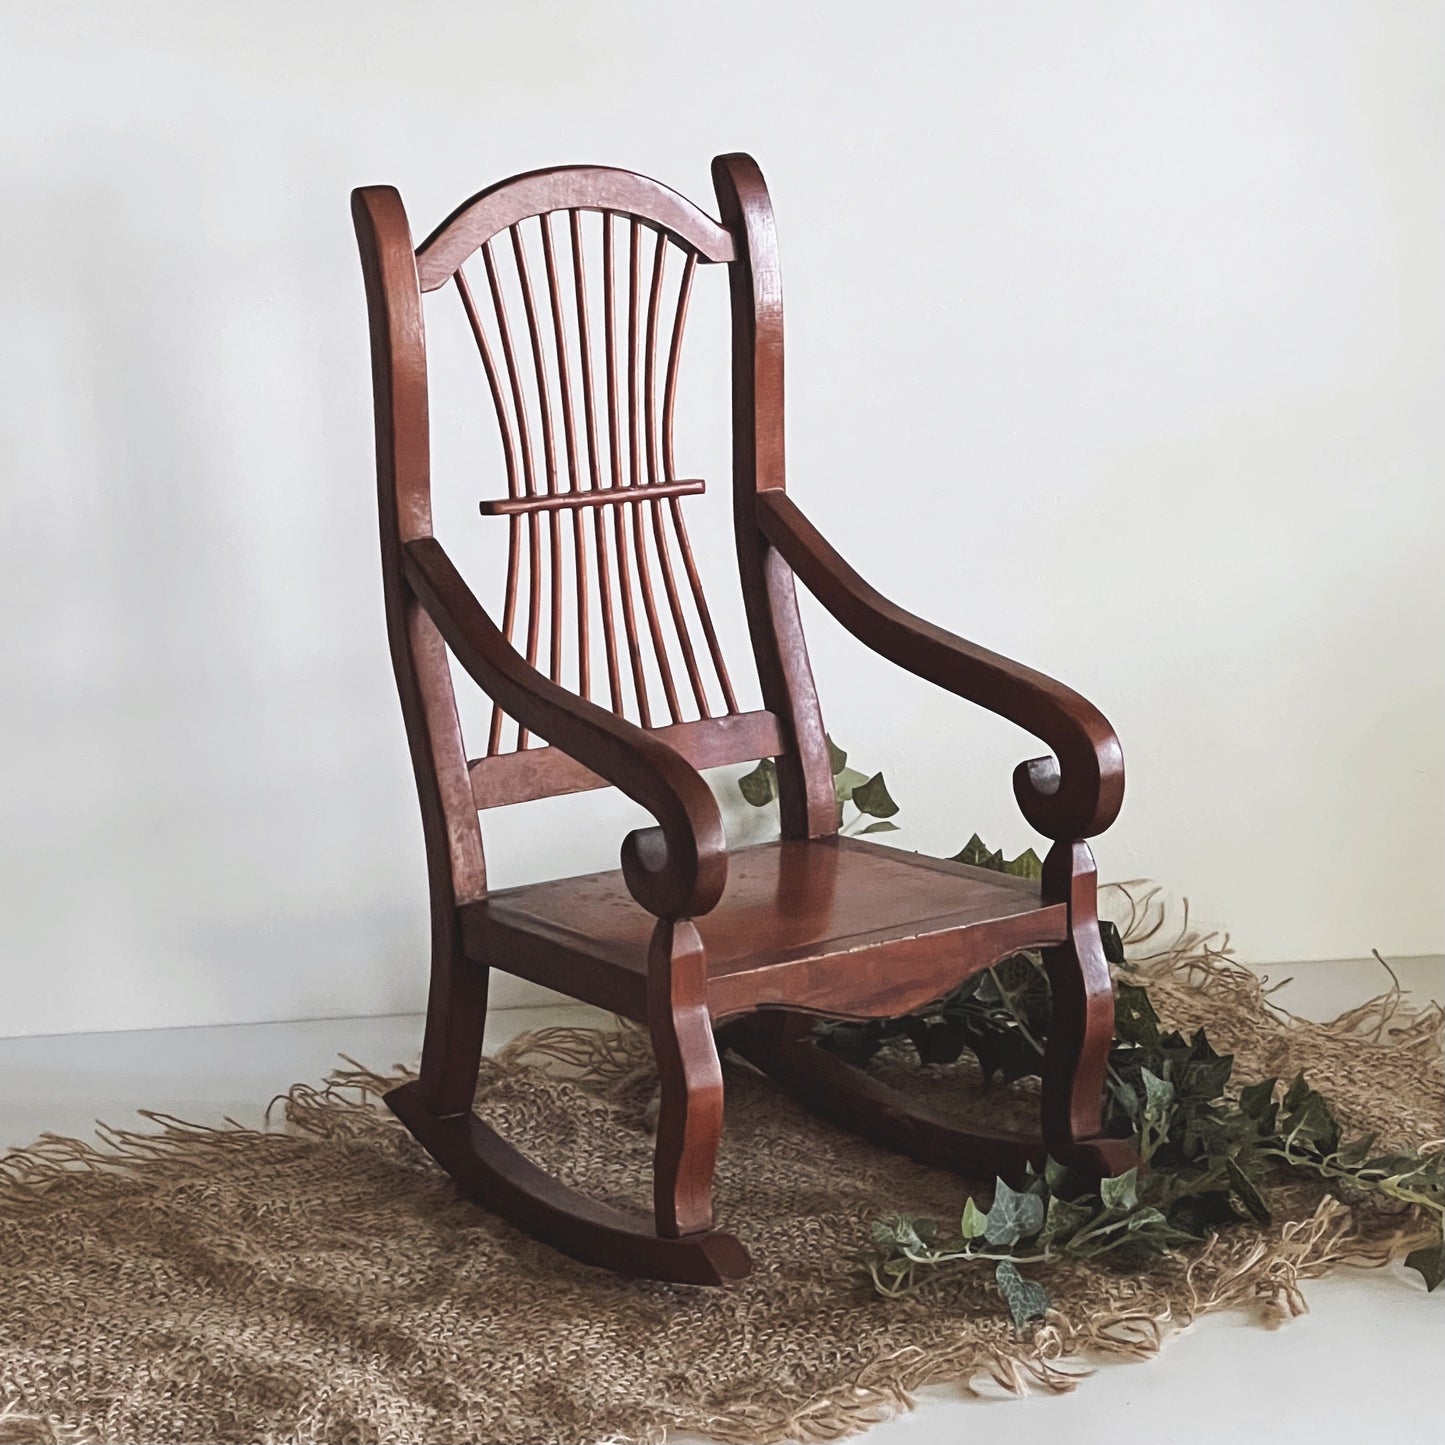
(912, 926)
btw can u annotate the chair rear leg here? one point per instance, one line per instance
(689, 1125)
(1081, 1031)
(456, 1017)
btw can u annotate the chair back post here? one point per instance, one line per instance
(455, 862)
(805, 781)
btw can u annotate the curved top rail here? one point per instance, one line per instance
(561, 188)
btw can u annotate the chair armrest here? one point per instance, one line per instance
(1075, 797)
(676, 870)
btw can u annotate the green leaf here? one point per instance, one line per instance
(1426, 1261)
(976, 853)
(1146, 1220)
(1158, 1097)
(1204, 1073)
(881, 826)
(1062, 1222)
(873, 798)
(1014, 1056)
(1246, 1191)
(760, 786)
(1113, 942)
(1198, 1214)
(853, 1043)
(845, 781)
(1013, 1216)
(938, 1041)
(1353, 1154)
(1027, 865)
(1256, 1101)
(1135, 1021)
(975, 1221)
(1026, 1299)
(905, 1233)
(1120, 1194)
(837, 758)
(1129, 1103)
(1308, 1122)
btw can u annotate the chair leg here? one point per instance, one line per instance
(689, 1124)
(456, 1018)
(437, 1109)
(1082, 1027)
(1080, 1035)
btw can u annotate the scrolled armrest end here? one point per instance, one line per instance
(1080, 799)
(671, 885)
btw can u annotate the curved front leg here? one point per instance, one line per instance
(1081, 1031)
(689, 1124)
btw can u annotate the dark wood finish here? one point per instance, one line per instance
(498, 1175)
(644, 495)
(547, 772)
(855, 1100)
(681, 936)
(908, 928)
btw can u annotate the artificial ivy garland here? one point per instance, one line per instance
(1208, 1142)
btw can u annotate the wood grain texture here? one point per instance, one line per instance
(835, 926)
(548, 772)
(682, 936)
(1075, 800)
(497, 1174)
(564, 188)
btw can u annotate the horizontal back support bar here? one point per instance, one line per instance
(592, 497)
(545, 772)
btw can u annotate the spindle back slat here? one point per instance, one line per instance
(574, 442)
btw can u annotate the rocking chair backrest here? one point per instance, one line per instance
(582, 370)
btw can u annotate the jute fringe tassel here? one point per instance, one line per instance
(321, 1281)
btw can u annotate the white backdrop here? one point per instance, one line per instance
(1115, 344)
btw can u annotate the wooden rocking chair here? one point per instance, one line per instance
(704, 948)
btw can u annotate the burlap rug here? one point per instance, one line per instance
(322, 1282)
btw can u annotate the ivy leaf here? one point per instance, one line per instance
(760, 786)
(853, 1043)
(1158, 1096)
(1204, 1072)
(1027, 865)
(881, 826)
(1128, 1099)
(905, 1233)
(1120, 1194)
(1353, 1154)
(845, 782)
(975, 852)
(1012, 1216)
(1148, 1220)
(1256, 1102)
(1246, 1191)
(1112, 940)
(1308, 1121)
(873, 798)
(1026, 1299)
(938, 1041)
(975, 1221)
(837, 758)
(1135, 1021)
(1198, 1214)
(1014, 1057)
(1062, 1222)
(1426, 1261)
